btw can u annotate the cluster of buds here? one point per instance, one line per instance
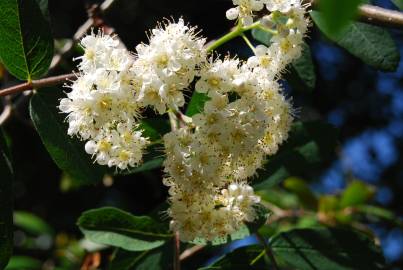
(211, 157)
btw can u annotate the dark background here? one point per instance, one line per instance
(365, 104)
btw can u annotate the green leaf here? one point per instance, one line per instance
(325, 248)
(310, 144)
(154, 128)
(196, 103)
(6, 204)
(304, 70)
(357, 193)
(31, 223)
(26, 43)
(372, 44)
(244, 258)
(337, 14)
(160, 258)
(23, 263)
(303, 191)
(114, 227)
(262, 36)
(149, 165)
(68, 153)
(398, 3)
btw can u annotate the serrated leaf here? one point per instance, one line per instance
(372, 44)
(310, 144)
(244, 258)
(304, 69)
(26, 43)
(325, 248)
(6, 205)
(67, 153)
(23, 263)
(196, 103)
(114, 227)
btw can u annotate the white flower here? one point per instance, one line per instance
(169, 64)
(244, 10)
(283, 6)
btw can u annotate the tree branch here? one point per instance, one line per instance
(50, 81)
(373, 14)
(177, 250)
(367, 13)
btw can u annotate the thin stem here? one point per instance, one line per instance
(236, 32)
(247, 41)
(50, 81)
(268, 250)
(177, 242)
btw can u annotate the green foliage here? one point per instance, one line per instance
(111, 226)
(157, 259)
(262, 36)
(303, 191)
(302, 74)
(23, 263)
(337, 14)
(67, 152)
(245, 258)
(372, 44)
(31, 223)
(398, 3)
(196, 103)
(310, 144)
(26, 43)
(6, 204)
(154, 128)
(357, 193)
(325, 248)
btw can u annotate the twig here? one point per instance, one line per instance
(268, 250)
(50, 81)
(190, 252)
(368, 13)
(177, 242)
(81, 31)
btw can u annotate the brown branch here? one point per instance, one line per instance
(190, 252)
(177, 250)
(50, 81)
(373, 15)
(367, 13)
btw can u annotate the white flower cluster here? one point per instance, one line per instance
(245, 8)
(211, 157)
(114, 85)
(101, 106)
(247, 117)
(167, 66)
